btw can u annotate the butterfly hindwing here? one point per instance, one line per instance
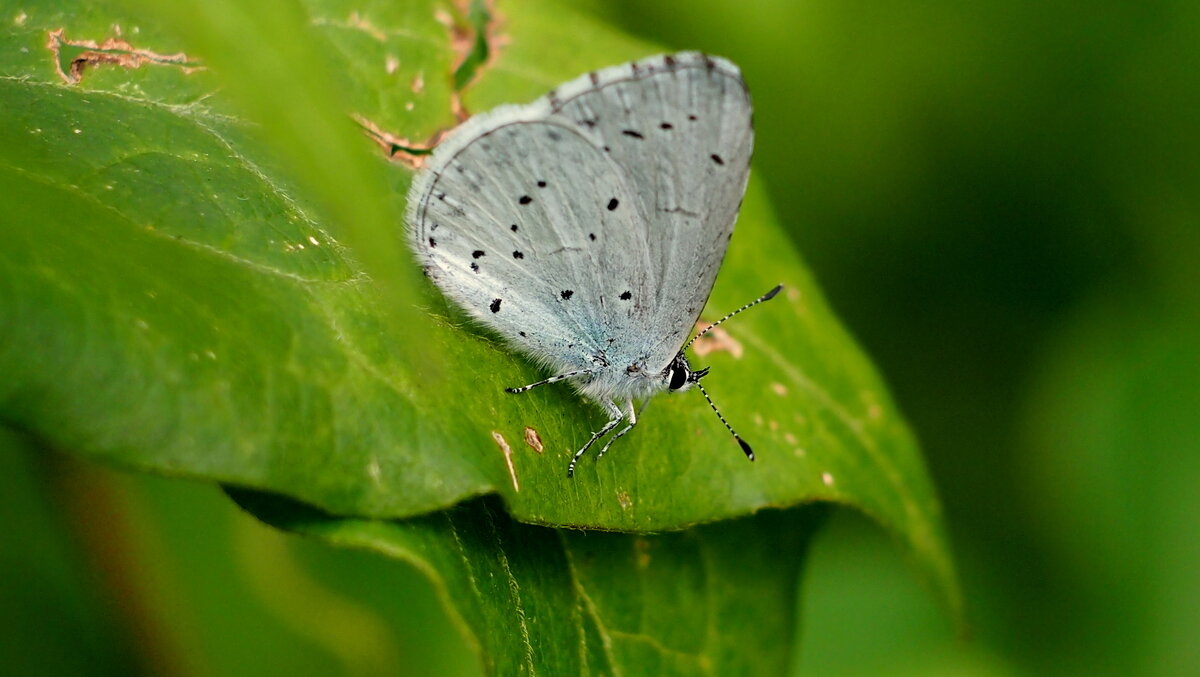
(519, 249)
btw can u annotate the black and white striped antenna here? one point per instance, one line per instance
(765, 297)
(742, 443)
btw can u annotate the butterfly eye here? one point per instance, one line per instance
(679, 376)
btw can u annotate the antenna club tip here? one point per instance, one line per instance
(771, 294)
(745, 447)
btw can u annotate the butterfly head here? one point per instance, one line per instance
(679, 375)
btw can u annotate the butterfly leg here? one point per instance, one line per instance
(552, 379)
(617, 416)
(633, 417)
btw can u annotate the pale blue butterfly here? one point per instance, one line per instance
(587, 227)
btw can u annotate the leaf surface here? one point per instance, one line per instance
(713, 600)
(201, 275)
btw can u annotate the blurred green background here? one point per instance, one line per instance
(1001, 200)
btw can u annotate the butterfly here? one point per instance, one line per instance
(587, 227)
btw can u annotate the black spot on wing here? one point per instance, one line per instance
(432, 243)
(592, 237)
(717, 159)
(477, 253)
(613, 203)
(541, 184)
(495, 305)
(513, 227)
(518, 255)
(632, 133)
(474, 267)
(566, 294)
(626, 295)
(524, 199)
(666, 125)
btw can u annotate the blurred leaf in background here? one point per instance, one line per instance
(55, 616)
(1001, 197)
(125, 574)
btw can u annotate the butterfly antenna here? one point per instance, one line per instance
(742, 443)
(765, 297)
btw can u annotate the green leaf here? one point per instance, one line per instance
(714, 600)
(187, 292)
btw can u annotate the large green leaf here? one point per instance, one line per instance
(713, 600)
(177, 294)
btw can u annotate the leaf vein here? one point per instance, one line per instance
(586, 600)
(515, 590)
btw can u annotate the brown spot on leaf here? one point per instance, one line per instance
(463, 40)
(714, 341)
(507, 451)
(399, 149)
(533, 439)
(73, 57)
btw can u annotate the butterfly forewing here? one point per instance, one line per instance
(680, 129)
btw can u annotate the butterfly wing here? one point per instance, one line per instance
(588, 226)
(681, 130)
